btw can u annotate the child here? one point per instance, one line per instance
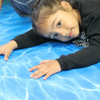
(63, 21)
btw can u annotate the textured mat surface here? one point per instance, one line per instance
(15, 83)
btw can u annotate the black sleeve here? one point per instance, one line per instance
(83, 58)
(29, 39)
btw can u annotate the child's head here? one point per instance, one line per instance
(56, 19)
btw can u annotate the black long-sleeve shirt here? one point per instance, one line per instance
(90, 15)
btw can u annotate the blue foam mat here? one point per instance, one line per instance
(15, 81)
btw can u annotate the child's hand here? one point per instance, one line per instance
(47, 68)
(7, 49)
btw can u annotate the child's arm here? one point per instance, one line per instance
(1, 1)
(82, 58)
(29, 39)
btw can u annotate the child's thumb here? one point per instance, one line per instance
(6, 56)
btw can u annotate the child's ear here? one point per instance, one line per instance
(66, 5)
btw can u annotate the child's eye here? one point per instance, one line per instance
(59, 24)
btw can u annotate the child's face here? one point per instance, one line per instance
(62, 25)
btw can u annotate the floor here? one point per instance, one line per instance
(15, 83)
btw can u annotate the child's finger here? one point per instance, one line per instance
(39, 75)
(34, 68)
(34, 74)
(47, 76)
(7, 56)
